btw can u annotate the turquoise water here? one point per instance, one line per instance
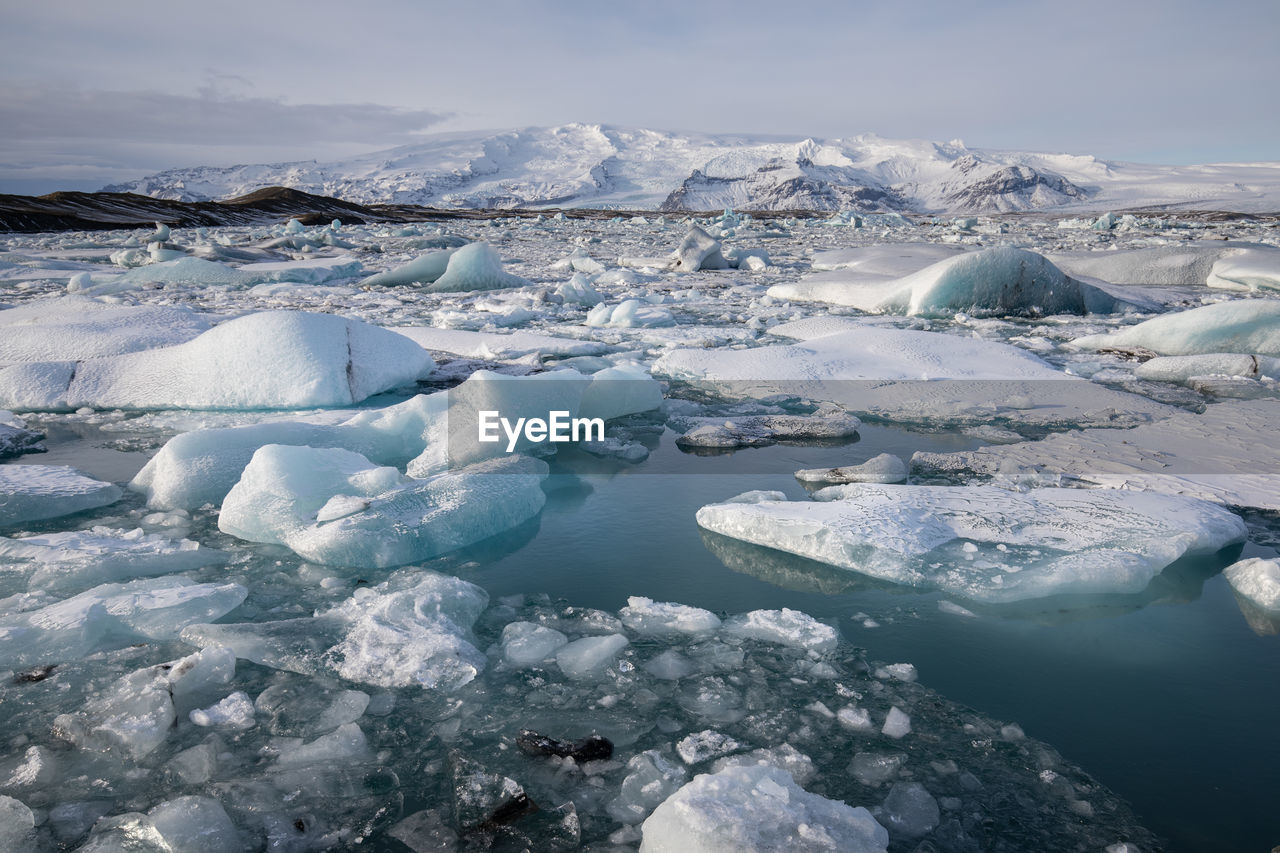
(1166, 696)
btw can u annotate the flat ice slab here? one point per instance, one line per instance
(73, 328)
(36, 492)
(982, 542)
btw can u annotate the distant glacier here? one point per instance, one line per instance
(601, 166)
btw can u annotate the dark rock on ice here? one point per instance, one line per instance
(591, 748)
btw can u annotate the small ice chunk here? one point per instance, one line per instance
(873, 768)
(528, 644)
(233, 712)
(705, 745)
(17, 825)
(655, 619)
(629, 314)
(196, 825)
(900, 671)
(897, 724)
(475, 266)
(786, 627)
(346, 744)
(651, 778)
(1258, 581)
(909, 810)
(856, 719)
(699, 251)
(589, 655)
(757, 810)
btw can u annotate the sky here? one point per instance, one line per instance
(93, 93)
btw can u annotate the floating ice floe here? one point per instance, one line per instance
(968, 380)
(1240, 466)
(309, 271)
(1185, 368)
(757, 809)
(1237, 326)
(73, 328)
(270, 360)
(59, 562)
(981, 542)
(883, 468)
(112, 615)
(998, 281)
(505, 346)
(1258, 580)
(334, 507)
(36, 492)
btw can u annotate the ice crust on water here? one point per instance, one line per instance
(757, 809)
(1238, 326)
(528, 644)
(999, 281)
(334, 507)
(1056, 540)
(112, 615)
(59, 562)
(589, 656)
(37, 492)
(74, 328)
(997, 381)
(269, 360)
(1239, 467)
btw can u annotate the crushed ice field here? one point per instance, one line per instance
(882, 511)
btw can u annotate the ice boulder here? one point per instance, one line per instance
(76, 327)
(334, 507)
(1183, 368)
(1237, 326)
(629, 314)
(785, 627)
(985, 543)
(424, 269)
(17, 825)
(414, 629)
(270, 360)
(660, 619)
(196, 824)
(699, 251)
(1258, 581)
(36, 492)
(527, 644)
(475, 266)
(756, 810)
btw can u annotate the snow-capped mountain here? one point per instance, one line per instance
(584, 165)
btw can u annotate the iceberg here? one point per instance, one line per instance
(999, 281)
(334, 507)
(1238, 326)
(1247, 269)
(424, 269)
(985, 543)
(269, 360)
(755, 810)
(698, 251)
(37, 492)
(74, 328)
(475, 266)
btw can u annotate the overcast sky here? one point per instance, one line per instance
(93, 92)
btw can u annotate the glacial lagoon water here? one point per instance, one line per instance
(1167, 697)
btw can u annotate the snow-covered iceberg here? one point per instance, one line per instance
(73, 328)
(1240, 326)
(982, 542)
(269, 360)
(36, 492)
